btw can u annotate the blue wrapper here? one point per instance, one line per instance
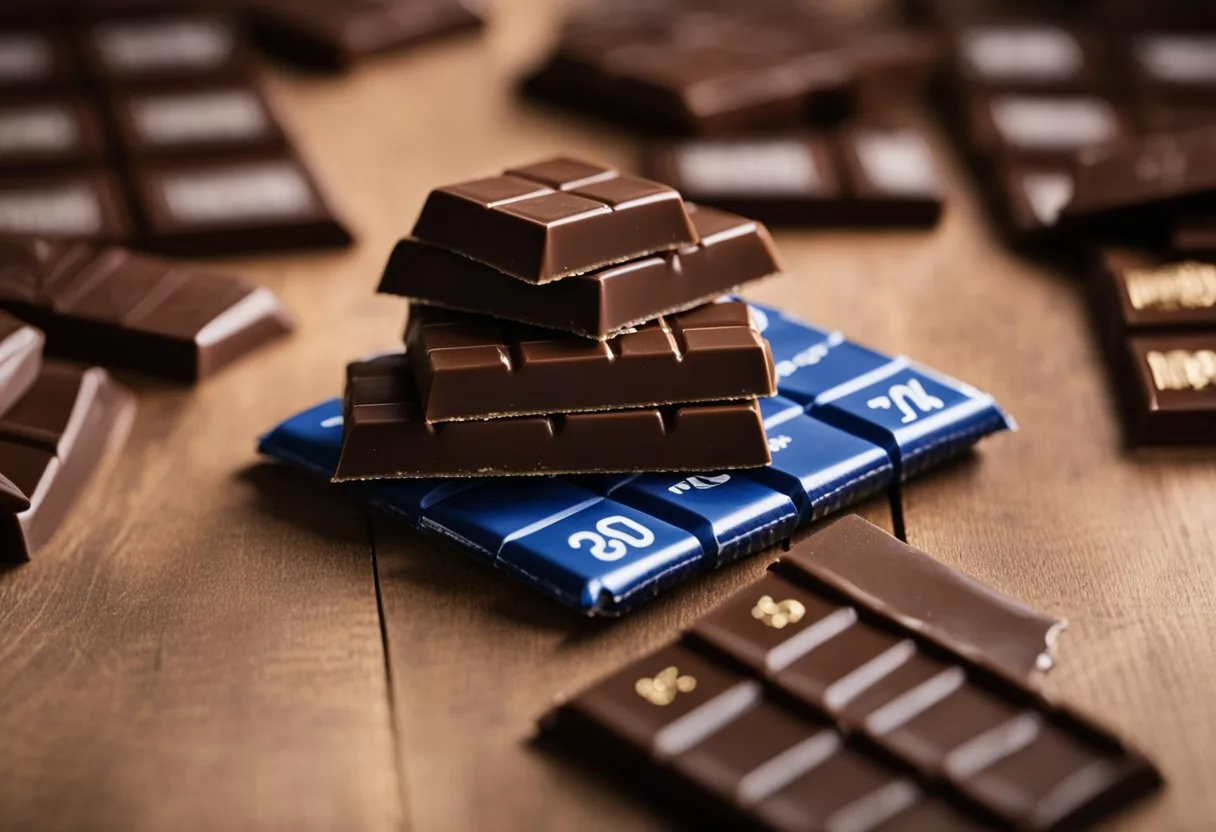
(839, 432)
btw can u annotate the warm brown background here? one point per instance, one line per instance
(210, 644)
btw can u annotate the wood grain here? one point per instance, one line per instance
(200, 647)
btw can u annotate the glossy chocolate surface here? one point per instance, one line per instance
(732, 251)
(1172, 389)
(861, 685)
(51, 442)
(472, 367)
(20, 357)
(555, 218)
(120, 309)
(385, 436)
(88, 205)
(51, 133)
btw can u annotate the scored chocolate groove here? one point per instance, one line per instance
(555, 218)
(471, 367)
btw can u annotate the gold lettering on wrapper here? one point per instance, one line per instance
(778, 614)
(1182, 369)
(1178, 286)
(666, 685)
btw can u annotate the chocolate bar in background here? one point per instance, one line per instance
(385, 436)
(89, 205)
(472, 367)
(124, 310)
(20, 357)
(855, 687)
(51, 442)
(51, 132)
(555, 218)
(863, 176)
(732, 251)
(170, 48)
(35, 61)
(336, 35)
(1158, 322)
(716, 69)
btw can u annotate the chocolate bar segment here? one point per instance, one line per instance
(236, 204)
(34, 60)
(1043, 128)
(336, 35)
(555, 218)
(811, 701)
(88, 205)
(50, 133)
(120, 309)
(51, 442)
(1195, 236)
(386, 436)
(20, 357)
(1172, 389)
(470, 367)
(1034, 56)
(732, 251)
(164, 49)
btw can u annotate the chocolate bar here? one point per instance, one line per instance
(470, 367)
(1159, 323)
(816, 699)
(386, 435)
(865, 176)
(732, 251)
(555, 218)
(20, 358)
(701, 521)
(232, 205)
(123, 310)
(1138, 189)
(164, 49)
(335, 36)
(718, 69)
(51, 442)
(198, 121)
(51, 132)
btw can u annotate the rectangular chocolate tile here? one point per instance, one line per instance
(1141, 294)
(88, 205)
(469, 367)
(1042, 128)
(732, 251)
(1171, 389)
(385, 435)
(234, 204)
(20, 358)
(802, 704)
(50, 133)
(1029, 56)
(33, 61)
(162, 49)
(116, 308)
(51, 442)
(555, 218)
(1174, 65)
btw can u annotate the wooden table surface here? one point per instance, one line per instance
(211, 643)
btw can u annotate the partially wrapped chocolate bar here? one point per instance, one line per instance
(884, 693)
(731, 251)
(51, 442)
(470, 367)
(120, 309)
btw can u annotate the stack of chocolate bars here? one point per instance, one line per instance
(635, 372)
(543, 338)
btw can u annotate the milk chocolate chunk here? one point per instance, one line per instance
(555, 218)
(215, 120)
(731, 251)
(50, 132)
(88, 205)
(51, 442)
(470, 367)
(20, 357)
(120, 309)
(234, 204)
(862, 685)
(336, 35)
(164, 49)
(1171, 391)
(386, 436)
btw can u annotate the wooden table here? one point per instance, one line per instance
(216, 644)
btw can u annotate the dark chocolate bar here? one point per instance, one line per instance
(865, 176)
(1137, 189)
(20, 357)
(555, 218)
(51, 441)
(196, 121)
(732, 251)
(386, 436)
(88, 205)
(855, 688)
(239, 204)
(471, 367)
(124, 310)
(50, 133)
(164, 49)
(336, 35)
